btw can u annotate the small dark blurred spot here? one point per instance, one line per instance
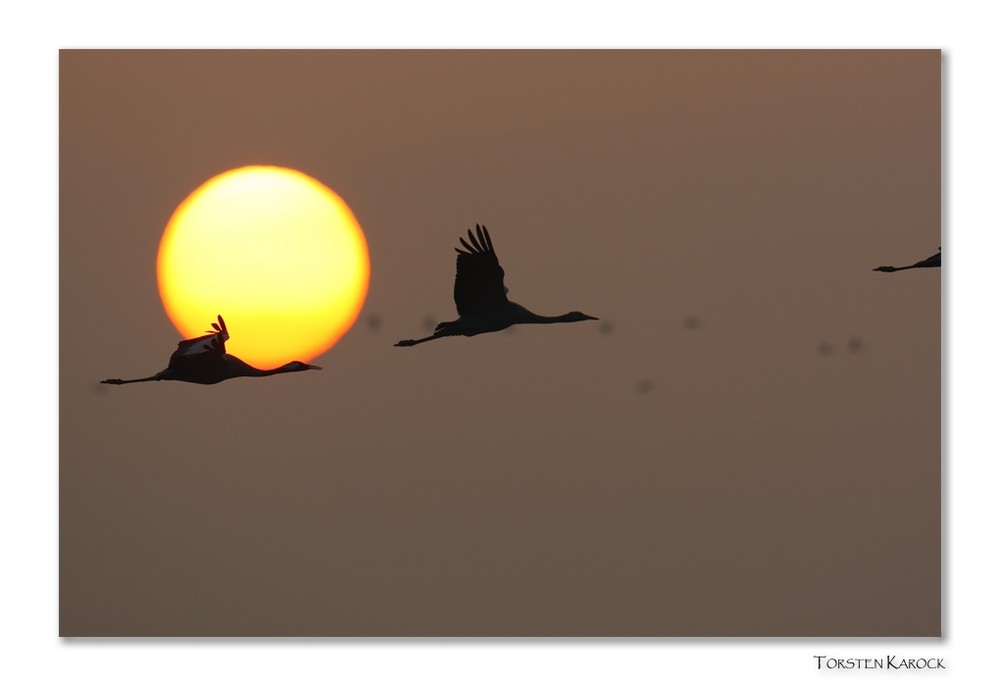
(430, 323)
(855, 344)
(606, 327)
(644, 386)
(825, 348)
(374, 322)
(691, 322)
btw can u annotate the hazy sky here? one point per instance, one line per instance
(747, 443)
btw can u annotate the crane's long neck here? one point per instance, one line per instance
(546, 319)
(522, 315)
(241, 368)
(238, 367)
(269, 372)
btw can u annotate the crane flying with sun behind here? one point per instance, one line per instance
(204, 360)
(481, 297)
(276, 250)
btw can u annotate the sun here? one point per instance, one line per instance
(279, 255)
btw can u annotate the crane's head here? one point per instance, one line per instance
(297, 366)
(575, 316)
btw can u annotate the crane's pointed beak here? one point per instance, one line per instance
(312, 366)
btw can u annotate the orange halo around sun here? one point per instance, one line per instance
(279, 255)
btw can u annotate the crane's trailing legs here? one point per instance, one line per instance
(932, 261)
(119, 382)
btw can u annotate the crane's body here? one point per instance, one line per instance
(204, 360)
(481, 297)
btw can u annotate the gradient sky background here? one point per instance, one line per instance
(773, 470)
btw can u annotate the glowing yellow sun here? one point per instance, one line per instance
(278, 254)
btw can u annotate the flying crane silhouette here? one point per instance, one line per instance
(204, 360)
(932, 261)
(481, 297)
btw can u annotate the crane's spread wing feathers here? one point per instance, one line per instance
(213, 343)
(478, 275)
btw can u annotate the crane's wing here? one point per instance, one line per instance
(478, 275)
(213, 344)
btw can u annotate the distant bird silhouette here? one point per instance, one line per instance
(481, 297)
(932, 261)
(204, 360)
